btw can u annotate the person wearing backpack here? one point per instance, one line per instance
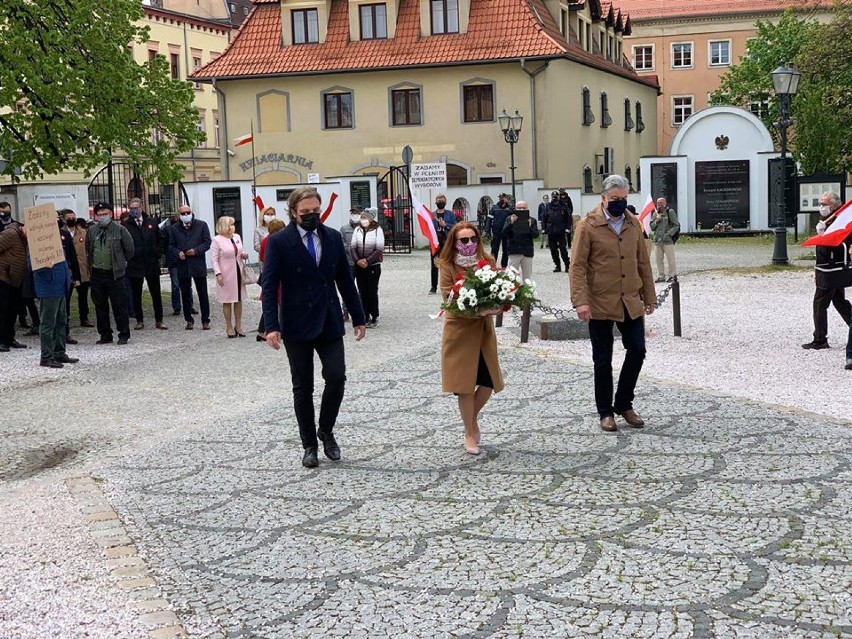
(666, 229)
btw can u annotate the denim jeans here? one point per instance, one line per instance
(633, 339)
(54, 326)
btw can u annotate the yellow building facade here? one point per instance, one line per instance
(328, 98)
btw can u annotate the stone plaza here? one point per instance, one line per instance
(727, 516)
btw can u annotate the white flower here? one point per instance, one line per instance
(460, 304)
(494, 288)
(502, 295)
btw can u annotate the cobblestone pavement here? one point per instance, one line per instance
(719, 519)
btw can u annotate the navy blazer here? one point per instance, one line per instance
(197, 237)
(309, 307)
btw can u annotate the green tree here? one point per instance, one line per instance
(70, 91)
(820, 135)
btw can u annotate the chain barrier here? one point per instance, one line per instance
(662, 295)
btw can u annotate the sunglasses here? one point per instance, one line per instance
(466, 240)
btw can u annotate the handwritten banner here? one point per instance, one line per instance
(43, 236)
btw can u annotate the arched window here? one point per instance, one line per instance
(587, 179)
(456, 175)
(629, 177)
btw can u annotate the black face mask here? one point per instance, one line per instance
(71, 223)
(616, 208)
(440, 204)
(309, 222)
(6, 216)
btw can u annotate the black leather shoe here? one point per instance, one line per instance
(329, 445)
(815, 346)
(49, 363)
(70, 340)
(104, 340)
(557, 270)
(848, 366)
(4, 348)
(121, 341)
(310, 459)
(16, 344)
(64, 359)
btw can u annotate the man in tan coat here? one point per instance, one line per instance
(611, 282)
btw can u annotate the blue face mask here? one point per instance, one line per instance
(135, 212)
(616, 208)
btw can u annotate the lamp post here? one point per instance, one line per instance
(511, 125)
(785, 79)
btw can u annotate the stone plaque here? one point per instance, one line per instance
(227, 202)
(775, 178)
(359, 194)
(664, 184)
(722, 193)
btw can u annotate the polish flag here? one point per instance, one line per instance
(258, 202)
(645, 215)
(330, 206)
(837, 232)
(243, 139)
(424, 218)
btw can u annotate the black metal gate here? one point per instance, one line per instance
(395, 210)
(119, 182)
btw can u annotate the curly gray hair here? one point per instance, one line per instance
(614, 182)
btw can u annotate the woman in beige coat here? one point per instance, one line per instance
(469, 364)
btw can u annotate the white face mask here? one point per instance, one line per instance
(354, 219)
(824, 210)
(268, 218)
(186, 219)
(365, 223)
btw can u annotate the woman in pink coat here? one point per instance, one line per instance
(227, 254)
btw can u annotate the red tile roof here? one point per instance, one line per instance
(642, 10)
(524, 29)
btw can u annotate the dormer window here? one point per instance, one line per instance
(374, 21)
(305, 26)
(445, 16)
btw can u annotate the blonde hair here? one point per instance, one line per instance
(223, 224)
(260, 220)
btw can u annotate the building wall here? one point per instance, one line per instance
(293, 144)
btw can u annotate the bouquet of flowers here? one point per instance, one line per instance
(486, 290)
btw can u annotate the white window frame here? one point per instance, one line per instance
(675, 108)
(653, 56)
(691, 64)
(201, 127)
(710, 62)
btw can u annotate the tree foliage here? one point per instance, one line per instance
(70, 91)
(821, 135)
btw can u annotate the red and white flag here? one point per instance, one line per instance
(424, 218)
(837, 232)
(645, 215)
(243, 139)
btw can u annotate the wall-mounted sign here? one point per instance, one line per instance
(429, 176)
(282, 195)
(272, 158)
(313, 178)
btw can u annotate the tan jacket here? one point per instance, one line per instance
(82, 256)
(463, 339)
(13, 257)
(610, 272)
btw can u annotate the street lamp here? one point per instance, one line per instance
(510, 125)
(786, 82)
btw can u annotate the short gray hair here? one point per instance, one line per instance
(835, 199)
(614, 182)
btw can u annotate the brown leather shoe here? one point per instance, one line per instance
(608, 424)
(633, 420)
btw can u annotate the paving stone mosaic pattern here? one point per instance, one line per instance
(719, 519)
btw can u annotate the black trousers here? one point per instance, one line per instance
(186, 298)
(28, 304)
(333, 359)
(82, 302)
(368, 287)
(10, 299)
(633, 339)
(153, 280)
(110, 291)
(823, 298)
(558, 248)
(499, 242)
(433, 271)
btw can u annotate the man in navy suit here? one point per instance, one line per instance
(306, 263)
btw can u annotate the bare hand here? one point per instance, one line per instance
(649, 310)
(362, 263)
(273, 339)
(244, 255)
(514, 218)
(182, 255)
(584, 312)
(191, 252)
(360, 332)
(219, 279)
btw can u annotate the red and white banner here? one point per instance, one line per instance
(328, 208)
(243, 139)
(837, 232)
(645, 215)
(424, 218)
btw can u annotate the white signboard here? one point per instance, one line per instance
(59, 200)
(429, 176)
(313, 178)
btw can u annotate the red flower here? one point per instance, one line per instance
(482, 263)
(460, 277)
(457, 286)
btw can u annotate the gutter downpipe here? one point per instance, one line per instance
(224, 158)
(532, 75)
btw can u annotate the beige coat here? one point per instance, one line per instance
(463, 339)
(82, 256)
(610, 272)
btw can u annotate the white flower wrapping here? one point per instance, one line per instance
(488, 289)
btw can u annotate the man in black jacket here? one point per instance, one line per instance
(519, 240)
(496, 221)
(558, 222)
(145, 263)
(832, 274)
(189, 240)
